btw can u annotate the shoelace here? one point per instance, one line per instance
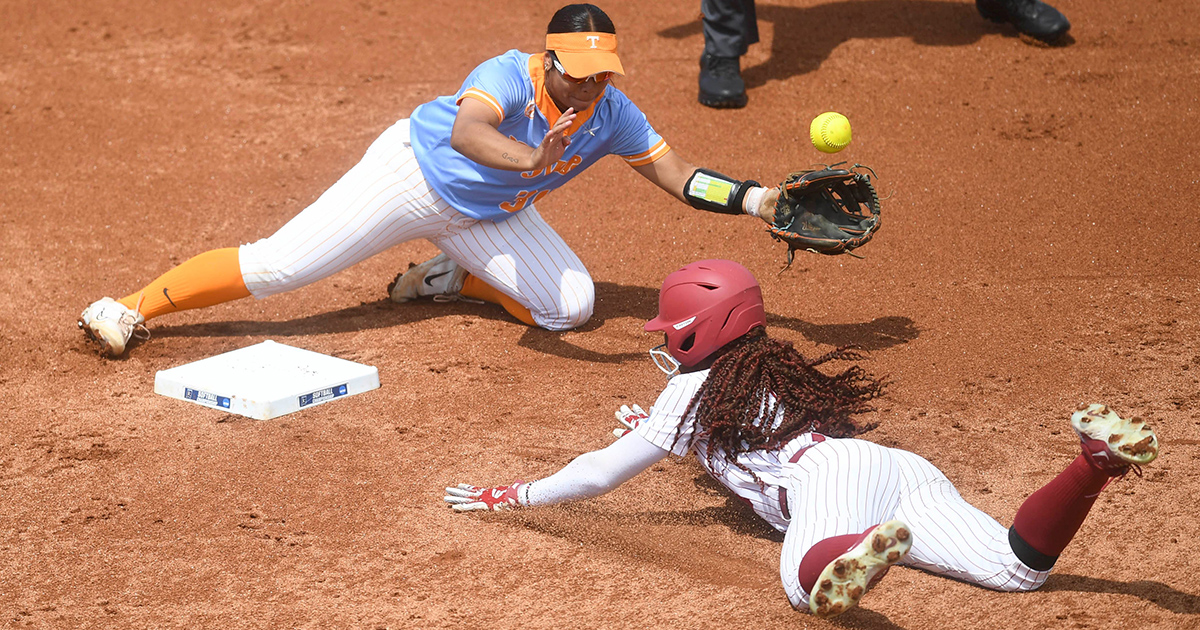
(1137, 470)
(139, 331)
(456, 297)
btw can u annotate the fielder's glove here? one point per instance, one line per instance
(827, 211)
(630, 418)
(465, 497)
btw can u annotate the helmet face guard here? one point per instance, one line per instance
(704, 306)
(664, 360)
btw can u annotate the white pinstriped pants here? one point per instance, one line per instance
(384, 201)
(844, 486)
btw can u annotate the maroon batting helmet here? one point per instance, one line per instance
(706, 305)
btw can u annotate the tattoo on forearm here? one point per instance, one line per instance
(510, 158)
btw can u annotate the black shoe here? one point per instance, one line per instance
(721, 82)
(1031, 17)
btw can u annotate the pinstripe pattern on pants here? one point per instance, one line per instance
(528, 261)
(383, 201)
(844, 486)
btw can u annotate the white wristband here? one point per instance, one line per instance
(752, 199)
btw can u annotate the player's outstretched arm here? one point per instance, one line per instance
(476, 135)
(587, 476)
(669, 172)
(708, 190)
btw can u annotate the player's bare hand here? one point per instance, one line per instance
(766, 206)
(466, 498)
(555, 143)
(630, 418)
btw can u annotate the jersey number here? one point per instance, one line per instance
(524, 198)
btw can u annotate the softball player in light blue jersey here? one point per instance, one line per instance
(464, 172)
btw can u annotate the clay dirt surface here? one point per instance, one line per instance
(1039, 249)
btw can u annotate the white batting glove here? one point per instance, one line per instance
(466, 498)
(630, 418)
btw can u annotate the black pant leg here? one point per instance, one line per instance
(730, 26)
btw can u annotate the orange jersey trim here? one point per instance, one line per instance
(545, 104)
(646, 157)
(485, 98)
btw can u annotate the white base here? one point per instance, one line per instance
(266, 380)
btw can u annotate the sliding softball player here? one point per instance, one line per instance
(464, 172)
(777, 433)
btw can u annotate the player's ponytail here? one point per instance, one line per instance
(580, 18)
(756, 376)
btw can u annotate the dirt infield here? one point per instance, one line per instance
(1039, 249)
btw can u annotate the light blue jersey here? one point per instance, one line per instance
(513, 85)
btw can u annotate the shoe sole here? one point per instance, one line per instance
(845, 580)
(1131, 441)
(1049, 39)
(736, 103)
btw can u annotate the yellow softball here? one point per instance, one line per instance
(830, 132)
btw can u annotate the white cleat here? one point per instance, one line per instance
(438, 276)
(109, 323)
(845, 580)
(1111, 442)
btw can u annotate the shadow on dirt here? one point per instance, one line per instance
(859, 617)
(641, 303)
(1157, 593)
(614, 301)
(822, 28)
(734, 515)
(669, 538)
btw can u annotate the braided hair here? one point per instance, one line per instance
(756, 376)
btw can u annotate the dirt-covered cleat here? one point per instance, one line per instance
(438, 276)
(1112, 443)
(112, 325)
(845, 580)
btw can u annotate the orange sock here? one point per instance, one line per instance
(210, 278)
(475, 288)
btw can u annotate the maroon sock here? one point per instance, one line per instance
(821, 554)
(1049, 518)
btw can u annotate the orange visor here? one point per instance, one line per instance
(585, 54)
